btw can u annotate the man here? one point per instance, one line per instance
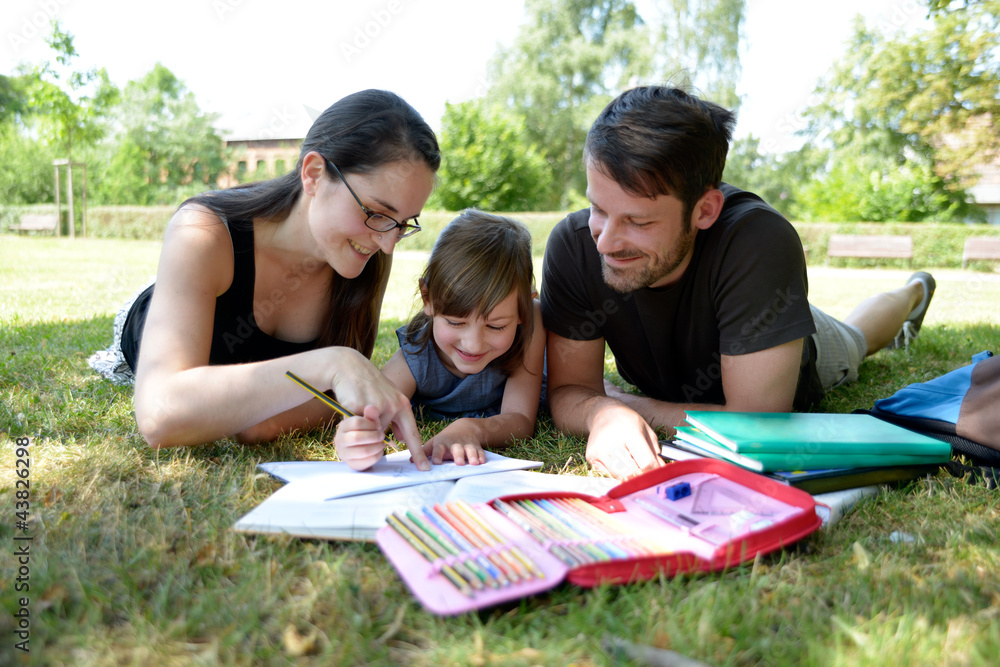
(698, 288)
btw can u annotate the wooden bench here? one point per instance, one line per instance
(878, 247)
(981, 247)
(36, 222)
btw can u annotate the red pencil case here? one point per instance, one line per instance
(689, 516)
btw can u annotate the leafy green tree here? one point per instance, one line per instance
(777, 179)
(697, 46)
(26, 173)
(163, 148)
(567, 62)
(68, 104)
(487, 164)
(862, 186)
(25, 166)
(13, 101)
(927, 105)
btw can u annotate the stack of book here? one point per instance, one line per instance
(816, 452)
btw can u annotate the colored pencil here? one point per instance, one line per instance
(500, 557)
(567, 534)
(428, 554)
(476, 562)
(533, 569)
(460, 524)
(644, 543)
(430, 539)
(467, 565)
(585, 530)
(580, 555)
(557, 550)
(469, 546)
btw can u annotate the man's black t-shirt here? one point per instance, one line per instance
(745, 290)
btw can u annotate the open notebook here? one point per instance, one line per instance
(313, 505)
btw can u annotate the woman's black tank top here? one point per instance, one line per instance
(235, 336)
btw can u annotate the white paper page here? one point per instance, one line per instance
(483, 488)
(831, 507)
(393, 471)
(300, 509)
(675, 454)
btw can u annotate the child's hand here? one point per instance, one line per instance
(359, 440)
(458, 441)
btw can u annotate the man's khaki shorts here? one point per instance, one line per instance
(840, 348)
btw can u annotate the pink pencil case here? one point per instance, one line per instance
(689, 516)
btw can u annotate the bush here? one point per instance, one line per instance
(145, 223)
(936, 245)
(129, 222)
(432, 222)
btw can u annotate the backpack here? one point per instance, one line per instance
(961, 407)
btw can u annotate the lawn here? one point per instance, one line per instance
(132, 560)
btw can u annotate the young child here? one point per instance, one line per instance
(475, 354)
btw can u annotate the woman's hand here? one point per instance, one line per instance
(362, 389)
(359, 440)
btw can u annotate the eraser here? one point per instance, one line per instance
(678, 491)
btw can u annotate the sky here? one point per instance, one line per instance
(268, 67)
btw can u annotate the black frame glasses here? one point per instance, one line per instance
(374, 219)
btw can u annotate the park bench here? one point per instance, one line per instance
(36, 222)
(877, 247)
(980, 247)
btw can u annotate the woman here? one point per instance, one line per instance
(283, 275)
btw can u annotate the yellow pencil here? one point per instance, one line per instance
(337, 407)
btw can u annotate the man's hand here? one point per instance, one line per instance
(621, 443)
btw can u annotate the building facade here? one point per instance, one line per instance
(258, 159)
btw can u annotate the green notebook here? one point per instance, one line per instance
(693, 440)
(816, 434)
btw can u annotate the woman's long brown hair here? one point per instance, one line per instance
(358, 133)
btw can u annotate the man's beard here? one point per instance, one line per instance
(624, 281)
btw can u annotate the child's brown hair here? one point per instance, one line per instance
(477, 261)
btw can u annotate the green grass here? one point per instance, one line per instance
(133, 561)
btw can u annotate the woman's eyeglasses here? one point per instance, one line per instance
(378, 221)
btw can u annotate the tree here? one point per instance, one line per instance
(486, 163)
(566, 63)
(866, 186)
(25, 166)
(68, 103)
(573, 56)
(697, 45)
(927, 105)
(163, 145)
(777, 179)
(13, 101)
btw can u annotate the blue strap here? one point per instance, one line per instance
(940, 398)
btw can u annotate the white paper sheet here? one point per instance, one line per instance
(392, 472)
